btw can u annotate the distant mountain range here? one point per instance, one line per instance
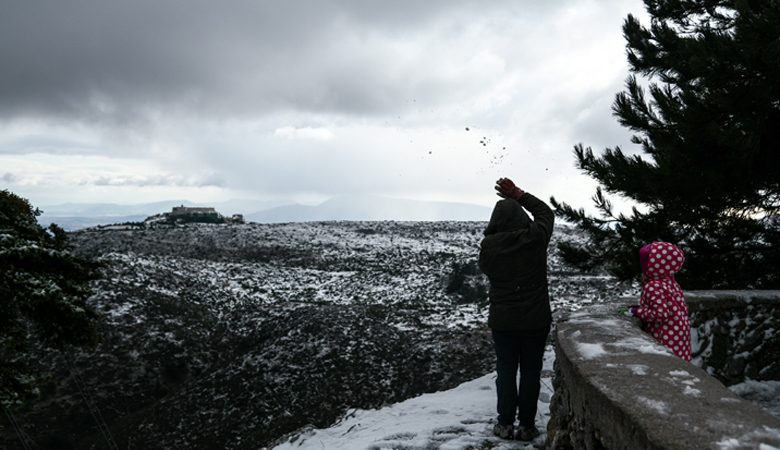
(367, 207)
(73, 216)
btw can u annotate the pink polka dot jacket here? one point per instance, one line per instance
(662, 306)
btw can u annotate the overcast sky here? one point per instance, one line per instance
(146, 100)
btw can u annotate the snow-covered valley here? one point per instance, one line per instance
(234, 336)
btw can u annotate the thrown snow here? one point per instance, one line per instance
(460, 418)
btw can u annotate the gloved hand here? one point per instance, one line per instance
(628, 311)
(507, 189)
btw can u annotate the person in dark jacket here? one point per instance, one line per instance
(513, 255)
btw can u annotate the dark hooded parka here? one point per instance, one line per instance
(513, 255)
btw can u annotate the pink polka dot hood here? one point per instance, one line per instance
(660, 259)
(662, 307)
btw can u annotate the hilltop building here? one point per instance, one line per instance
(185, 214)
(182, 210)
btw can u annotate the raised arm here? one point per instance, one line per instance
(543, 215)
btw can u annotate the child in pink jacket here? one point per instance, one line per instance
(662, 307)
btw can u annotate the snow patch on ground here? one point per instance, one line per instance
(460, 418)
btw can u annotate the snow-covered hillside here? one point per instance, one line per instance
(230, 336)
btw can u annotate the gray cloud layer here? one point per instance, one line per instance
(98, 61)
(305, 98)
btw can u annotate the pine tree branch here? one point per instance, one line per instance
(708, 124)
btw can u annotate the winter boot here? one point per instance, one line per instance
(526, 433)
(504, 431)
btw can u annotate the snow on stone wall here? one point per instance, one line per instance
(616, 388)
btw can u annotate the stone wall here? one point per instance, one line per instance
(735, 334)
(616, 388)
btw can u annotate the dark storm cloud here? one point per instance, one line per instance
(122, 61)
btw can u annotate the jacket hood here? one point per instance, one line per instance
(506, 235)
(659, 259)
(507, 216)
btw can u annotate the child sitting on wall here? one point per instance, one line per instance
(662, 307)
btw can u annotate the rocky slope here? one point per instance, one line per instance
(230, 336)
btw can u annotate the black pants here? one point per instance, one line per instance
(526, 349)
